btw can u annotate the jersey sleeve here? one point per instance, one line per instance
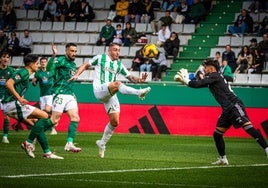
(95, 60)
(20, 75)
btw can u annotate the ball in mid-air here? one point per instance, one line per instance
(150, 51)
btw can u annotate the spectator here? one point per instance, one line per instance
(242, 25)
(258, 63)
(253, 45)
(129, 34)
(218, 57)
(50, 10)
(244, 60)
(106, 34)
(166, 19)
(227, 71)
(28, 4)
(254, 6)
(196, 13)
(85, 12)
(182, 12)
(26, 43)
(229, 55)
(135, 10)
(159, 65)
(138, 61)
(121, 10)
(62, 9)
(170, 4)
(142, 38)
(118, 34)
(9, 20)
(172, 45)
(3, 41)
(112, 13)
(163, 35)
(263, 27)
(148, 12)
(146, 66)
(13, 45)
(263, 47)
(73, 11)
(7, 3)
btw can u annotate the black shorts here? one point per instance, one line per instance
(237, 116)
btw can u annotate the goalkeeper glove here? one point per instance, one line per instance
(182, 76)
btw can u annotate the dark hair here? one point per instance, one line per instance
(214, 63)
(4, 54)
(70, 44)
(30, 58)
(113, 44)
(43, 58)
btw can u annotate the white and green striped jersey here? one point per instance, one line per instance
(107, 70)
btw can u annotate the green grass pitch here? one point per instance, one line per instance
(134, 160)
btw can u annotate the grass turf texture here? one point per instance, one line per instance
(134, 160)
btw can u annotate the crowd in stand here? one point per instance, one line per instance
(126, 13)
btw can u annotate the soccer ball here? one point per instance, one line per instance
(150, 51)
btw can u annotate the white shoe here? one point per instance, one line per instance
(5, 140)
(53, 131)
(143, 92)
(51, 156)
(71, 147)
(101, 147)
(28, 149)
(221, 161)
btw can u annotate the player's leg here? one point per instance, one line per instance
(241, 119)
(6, 124)
(72, 112)
(46, 105)
(222, 126)
(112, 108)
(124, 89)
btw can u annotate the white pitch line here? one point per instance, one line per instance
(131, 170)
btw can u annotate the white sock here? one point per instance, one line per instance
(108, 132)
(223, 157)
(266, 151)
(127, 90)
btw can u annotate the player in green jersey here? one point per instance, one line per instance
(16, 106)
(46, 80)
(5, 73)
(64, 99)
(107, 67)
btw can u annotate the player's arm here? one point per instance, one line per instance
(50, 63)
(10, 86)
(79, 71)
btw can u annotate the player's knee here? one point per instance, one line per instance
(114, 123)
(217, 134)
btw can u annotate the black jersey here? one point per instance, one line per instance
(219, 88)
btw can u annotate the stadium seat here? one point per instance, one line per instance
(86, 50)
(124, 51)
(17, 61)
(79, 61)
(98, 50)
(254, 79)
(141, 27)
(38, 49)
(69, 26)
(224, 40)
(72, 37)
(85, 76)
(132, 51)
(127, 62)
(81, 26)
(93, 37)
(34, 25)
(264, 79)
(59, 37)
(101, 15)
(108, 3)
(57, 26)
(21, 13)
(236, 41)
(83, 38)
(21, 25)
(48, 38)
(37, 37)
(98, 4)
(188, 28)
(33, 14)
(46, 26)
(240, 79)
(93, 27)
(177, 28)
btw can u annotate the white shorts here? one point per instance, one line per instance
(111, 103)
(63, 103)
(15, 110)
(45, 100)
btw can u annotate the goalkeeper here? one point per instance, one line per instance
(233, 110)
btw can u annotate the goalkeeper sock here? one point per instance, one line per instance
(219, 142)
(108, 132)
(127, 90)
(72, 131)
(256, 134)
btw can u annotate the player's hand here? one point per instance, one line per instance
(182, 76)
(54, 49)
(23, 101)
(73, 78)
(143, 77)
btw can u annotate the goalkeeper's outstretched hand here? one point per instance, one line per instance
(182, 76)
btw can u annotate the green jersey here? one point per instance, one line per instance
(45, 80)
(64, 69)
(21, 82)
(5, 74)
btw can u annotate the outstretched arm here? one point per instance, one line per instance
(79, 71)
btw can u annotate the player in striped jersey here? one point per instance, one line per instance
(105, 86)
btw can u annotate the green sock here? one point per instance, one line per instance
(6, 127)
(72, 131)
(40, 126)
